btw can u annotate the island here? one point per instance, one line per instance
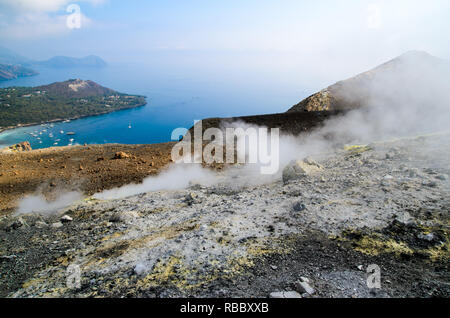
(67, 62)
(72, 99)
(8, 72)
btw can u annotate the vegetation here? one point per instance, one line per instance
(27, 105)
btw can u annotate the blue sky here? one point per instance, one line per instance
(340, 37)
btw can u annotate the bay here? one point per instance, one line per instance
(176, 96)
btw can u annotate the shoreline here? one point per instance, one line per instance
(57, 120)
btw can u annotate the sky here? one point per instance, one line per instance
(325, 38)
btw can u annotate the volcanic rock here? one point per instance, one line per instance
(121, 155)
(20, 147)
(285, 294)
(300, 169)
(304, 287)
(66, 219)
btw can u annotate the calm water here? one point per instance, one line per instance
(176, 97)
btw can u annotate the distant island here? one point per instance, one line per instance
(67, 62)
(14, 65)
(75, 98)
(8, 72)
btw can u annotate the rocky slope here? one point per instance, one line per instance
(398, 80)
(385, 204)
(414, 78)
(88, 169)
(290, 123)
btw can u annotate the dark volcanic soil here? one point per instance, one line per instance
(293, 123)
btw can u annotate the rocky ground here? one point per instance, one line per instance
(89, 169)
(310, 232)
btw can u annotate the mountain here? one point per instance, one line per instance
(415, 82)
(13, 65)
(76, 88)
(10, 57)
(8, 72)
(66, 62)
(60, 101)
(410, 78)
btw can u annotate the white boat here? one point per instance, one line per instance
(129, 126)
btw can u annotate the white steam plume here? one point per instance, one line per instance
(38, 204)
(176, 177)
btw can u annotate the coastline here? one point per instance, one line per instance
(57, 120)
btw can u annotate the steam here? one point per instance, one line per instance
(409, 95)
(178, 176)
(39, 204)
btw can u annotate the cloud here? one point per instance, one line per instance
(23, 19)
(42, 5)
(33, 6)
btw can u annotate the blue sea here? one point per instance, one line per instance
(176, 95)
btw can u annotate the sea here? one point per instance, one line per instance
(176, 97)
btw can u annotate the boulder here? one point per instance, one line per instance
(66, 219)
(16, 224)
(300, 168)
(121, 155)
(57, 225)
(299, 206)
(285, 294)
(40, 224)
(20, 147)
(304, 287)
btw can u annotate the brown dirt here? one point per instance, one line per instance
(89, 169)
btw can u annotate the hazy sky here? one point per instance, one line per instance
(340, 37)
